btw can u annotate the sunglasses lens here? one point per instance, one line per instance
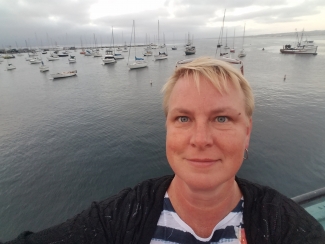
(184, 61)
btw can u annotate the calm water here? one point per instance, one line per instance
(68, 142)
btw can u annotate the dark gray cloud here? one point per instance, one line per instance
(67, 21)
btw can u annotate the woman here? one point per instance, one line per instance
(208, 107)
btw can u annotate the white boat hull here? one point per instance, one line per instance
(118, 56)
(241, 54)
(299, 51)
(52, 58)
(64, 74)
(138, 64)
(35, 61)
(11, 67)
(160, 57)
(109, 61)
(44, 68)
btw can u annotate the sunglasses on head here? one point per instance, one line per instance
(232, 61)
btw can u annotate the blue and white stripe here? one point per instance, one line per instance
(172, 229)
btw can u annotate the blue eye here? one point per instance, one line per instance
(183, 119)
(222, 119)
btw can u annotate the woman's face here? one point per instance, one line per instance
(207, 133)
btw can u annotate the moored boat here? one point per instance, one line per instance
(43, 67)
(72, 59)
(64, 74)
(35, 60)
(190, 50)
(288, 49)
(109, 59)
(138, 62)
(10, 66)
(301, 47)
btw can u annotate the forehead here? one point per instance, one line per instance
(187, 92)
(203, 86)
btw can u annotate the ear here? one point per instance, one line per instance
(248, 131)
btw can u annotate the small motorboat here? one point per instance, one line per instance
(43, 67)
(64, 74)
(35, 60)
(118, 56)
(63, 54)
(10, 66)
(72, 59)
(109, 59)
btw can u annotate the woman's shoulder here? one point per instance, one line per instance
(281, 216)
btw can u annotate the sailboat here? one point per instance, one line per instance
(82, 48)
(147, 49)
(18, 49)
(10, 66)
(138, 62)
(174, 47)
(221, 31)
(109, 57)
(116, 55)
(43, 67)
(242, 51)
(35, 60)
(190, 49)
(96, 53)
(232, 50)
(160, 55)
(226, 46)
(72, 59)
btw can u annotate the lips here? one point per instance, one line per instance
(202, 160)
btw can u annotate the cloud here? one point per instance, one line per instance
(66, 21)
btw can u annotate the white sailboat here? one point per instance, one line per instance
(43, 67)
(10, 66)
(96, 53)
(116, 55)
(109, 57)
(64, 74)
(72, 59)
(174, 47)
(82, 48)
(232, 50)
(242, 51)
(160, 55)
(138, 62)
(226, 46)
(125, 47)
(189, 48)
(35, 60)
(147, 49)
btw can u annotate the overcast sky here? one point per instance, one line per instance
(66, 22)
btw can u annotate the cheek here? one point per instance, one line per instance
(174, 143)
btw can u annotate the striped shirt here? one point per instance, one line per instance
(172, 229)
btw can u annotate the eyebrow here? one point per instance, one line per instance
(214, 111)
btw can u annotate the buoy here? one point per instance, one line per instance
(285, 77)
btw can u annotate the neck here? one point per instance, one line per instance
(201, 209)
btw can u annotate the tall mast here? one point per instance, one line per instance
(244, 36)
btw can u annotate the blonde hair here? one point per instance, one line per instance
(218, 72)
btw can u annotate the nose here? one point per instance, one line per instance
(201, 135)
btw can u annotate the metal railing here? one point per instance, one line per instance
(309, 196)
